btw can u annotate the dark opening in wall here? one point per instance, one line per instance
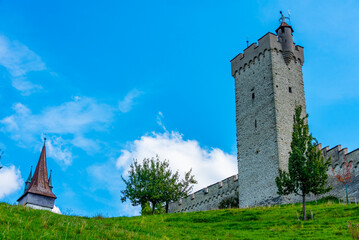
(253, 96)
(255, 123)
(290, 89)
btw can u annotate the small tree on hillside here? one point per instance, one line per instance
(307, 168)
(154, 182)
(345, 176)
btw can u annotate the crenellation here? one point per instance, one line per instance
(333, 153)
(325, 151)
(268, 42)
(207, 198)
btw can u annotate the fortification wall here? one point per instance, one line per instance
(207, 198)
(337, 156)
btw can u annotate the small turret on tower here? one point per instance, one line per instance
(50, 181)
(285, 37)
(28, 181)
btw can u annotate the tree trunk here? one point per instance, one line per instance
(346, 192)
(167, 207)
(304, 210)
(153, 208)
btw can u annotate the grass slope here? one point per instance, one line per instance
(276, 222)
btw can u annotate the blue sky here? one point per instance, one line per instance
(109, 82)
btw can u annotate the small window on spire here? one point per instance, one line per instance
(290, 89)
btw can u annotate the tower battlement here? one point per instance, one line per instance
(253, 52)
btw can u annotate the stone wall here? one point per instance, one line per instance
(337, 155)
(207, 198)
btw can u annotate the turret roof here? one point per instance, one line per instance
(40, 182)
(284, 24)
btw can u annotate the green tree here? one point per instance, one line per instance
(307, 168)
(154, 182)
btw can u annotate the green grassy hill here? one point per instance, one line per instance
(276, 222)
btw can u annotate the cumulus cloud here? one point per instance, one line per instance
(208, 165)
(128, 102)
(74, 118)
(19, 60)
(10, 180)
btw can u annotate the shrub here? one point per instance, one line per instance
(229, 202)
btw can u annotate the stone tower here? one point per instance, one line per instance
(268, 86)
(38, 188)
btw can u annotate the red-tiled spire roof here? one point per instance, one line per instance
(40, 182)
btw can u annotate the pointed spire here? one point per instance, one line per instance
(39, 181)
(50, 181)
(28, 181)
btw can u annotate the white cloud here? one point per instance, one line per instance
(208, 165)
(74, 118)
(19, 60)
(160, 118)
(10, 180)
(56, 210)
(128, 102)
(25, 86)
(58, 149)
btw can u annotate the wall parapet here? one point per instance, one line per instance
(207, 198)
(338, 155)
(254, 52)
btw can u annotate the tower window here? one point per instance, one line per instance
(290, 89)
(255, 123)
(253, 96)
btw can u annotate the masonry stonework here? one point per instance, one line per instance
(207, 198)
(268, 86)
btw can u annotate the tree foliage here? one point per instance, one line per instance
(154, 182)
(307, 168)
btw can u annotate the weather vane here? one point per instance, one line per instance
(283, 18)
